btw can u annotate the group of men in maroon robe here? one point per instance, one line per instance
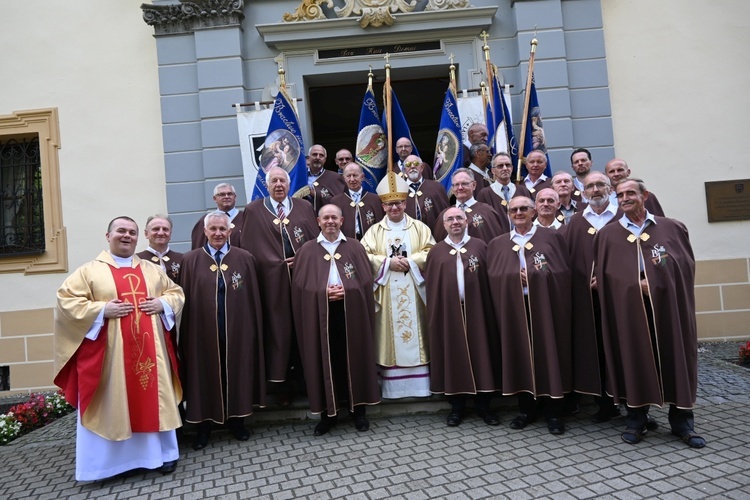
(551, 342)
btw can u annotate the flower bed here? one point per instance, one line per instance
(38, 411)
(744, 354)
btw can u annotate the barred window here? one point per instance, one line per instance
(21, 203)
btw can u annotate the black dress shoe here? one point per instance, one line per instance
(361, 423)
(201, 440)
(521, 421)
(555, 426)
(651, 423)
(488, 417)
(691, 438)
(454, 418)
(168, 467)
(326, 424)
(633, 436)
(605, 415)
(241, 433)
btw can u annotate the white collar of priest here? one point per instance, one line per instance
(122, 261)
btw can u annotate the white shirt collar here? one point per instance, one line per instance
(461, 243)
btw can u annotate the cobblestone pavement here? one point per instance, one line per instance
(417, 456)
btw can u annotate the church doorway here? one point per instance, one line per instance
(335, 104)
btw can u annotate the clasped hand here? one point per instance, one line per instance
(119, 309)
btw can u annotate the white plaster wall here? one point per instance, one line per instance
(96, 62)
(678, 79)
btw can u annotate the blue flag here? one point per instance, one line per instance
(489, 119)
(283, 148)
(400, 127)
(504, 139)
(372, 144)
(449, 152)
(535, 140)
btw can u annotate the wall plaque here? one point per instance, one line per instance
(728, 200)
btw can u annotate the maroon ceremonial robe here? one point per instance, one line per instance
(430, 199)
(264, 238)
(484, 223)
(198, 237)
(172, 262)
(547, 183)
(325, 187)
(311, 315)
(648, 366)
(536, 346)
(370, 210)
(481, 181)
(578, 206)
(587, 339)
(490, 197)
(208, 399)
(464, 341)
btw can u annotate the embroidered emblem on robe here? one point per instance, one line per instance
(659, 255)
(540, 262)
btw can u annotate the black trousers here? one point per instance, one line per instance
(680, 420)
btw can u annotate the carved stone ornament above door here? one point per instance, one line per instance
(373, 13)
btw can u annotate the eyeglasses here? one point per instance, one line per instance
(344, 158)
(413, 163)
(503, 165)
(522, 209)
(598, 185)
(457, 218)
(462, 184)
(392, 204)
(225, 194)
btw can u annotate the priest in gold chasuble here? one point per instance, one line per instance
(116, 362)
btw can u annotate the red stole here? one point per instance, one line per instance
(139, 351)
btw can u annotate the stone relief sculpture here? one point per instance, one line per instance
(373, 13)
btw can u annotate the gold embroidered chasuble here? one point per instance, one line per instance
(80, 299)
(399, 303)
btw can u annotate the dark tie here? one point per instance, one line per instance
(462, 206)
(414, 186)
(220, 296)
(357, 220)
(280, 211)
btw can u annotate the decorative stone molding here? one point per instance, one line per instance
(411, 27)
(373, 13)
(187, 16)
